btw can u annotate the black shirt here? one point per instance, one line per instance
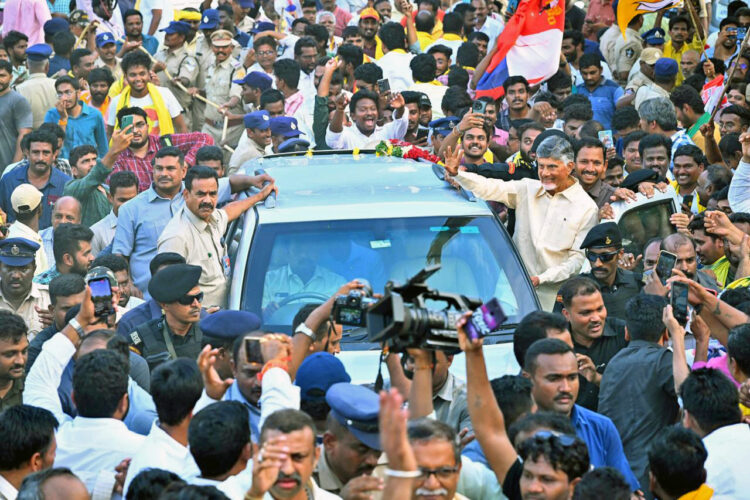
(149, 341)
(627, 284)
(601, 351)
(511, 485)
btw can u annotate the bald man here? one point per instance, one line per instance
(66, 210)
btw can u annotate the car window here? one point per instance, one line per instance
(644, 222)
(298, 263)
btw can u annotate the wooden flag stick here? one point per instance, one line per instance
(728, 79)
(694, 19)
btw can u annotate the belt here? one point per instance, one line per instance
(220, 123)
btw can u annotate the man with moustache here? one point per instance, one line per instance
(97, 96)
(590, 167)
(18, 293)
(196, 230)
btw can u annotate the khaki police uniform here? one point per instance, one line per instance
(38, 297)
(220, 89)
(180, 63)
(41, 94)
(117, 72)
(627, 51)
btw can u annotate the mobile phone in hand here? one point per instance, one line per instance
(126, 121)
(384, 86)
(479, 107)
(679, 301)
(485, 320)
(664, 265)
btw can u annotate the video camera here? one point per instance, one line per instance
(401, 319)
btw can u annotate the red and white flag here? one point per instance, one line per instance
(711, 92)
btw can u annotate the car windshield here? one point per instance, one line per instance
(291, 264)
(643, 223)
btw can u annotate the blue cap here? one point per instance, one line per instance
(210, 19)
(56, 25)
(39, 52)
(256, 79)
(103, 39)
(177, 27)
(666, 66)
(228, 325)
(258, 119)
(293, 144)
(443, 126)
(263, 26)
(356, 408)
(285, 125)
(317, 373)
(17, 252)
(246, 4)
(654, 36)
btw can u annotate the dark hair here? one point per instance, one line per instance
(711, 399)
(392, 35)
(740, 111)
(533, 327)
(210, 153)
(66, 79)
(590, 129)
(287, 70)
(729, 20)
(458, 77)
(351, 54)
(349, 31)
(738, 346)
(685, 94)
(589, 142)
(581, 112)
(541, 420)
(427, 429)
(114, 262)
(122, 179)
(632, 137)
(12, 327)
(176, 386)
(423, 68)
(573, 460)
(678, 19)
(560, 80)
(718, 176)
(424, 21)
(462, 8)
(77, 55)
(172, 152)
(643, 314)
(453, 23)
(360, 95)
(192, 491)
(441, 49)
(602, 482)
(435, 4)
(79, 152)
(477, 35)
(45, 136)
(589, 60)
(62, 42)
(130, 111)
(227, 9)
(135, 58)
(578, 285)
(26, 430)
(693, 152)
(12, 38)
(286, 421)
(514, 80)
(302, 315)
(654, 141)
(131, 12)
(100, 380)
(574, 35)
(67, 239)
(543, 346)
(269, 96)
(7, 67)
(100, 75)
(513, 396)
(721, 194)
(303, 42)
(676, 459)
(65, 285)
(199, 172)
(467, 55)
(150, 483)
(730, 144)
(625, 117)
(368, 72)
(455, 100)
(264, 40)
(574, 99)
(217, 435)
(696, 80)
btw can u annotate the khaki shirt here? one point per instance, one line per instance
(200, 243)
(41, 94)
(549, 228)
(20, 230)
(116, 71)
(220, 88)
(38, 297)
(647, 92)
(247, 149)
(627, 51)
(180, 63)
(607, 43)
(638, 81)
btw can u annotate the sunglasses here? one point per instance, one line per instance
(188, 300)
(564, 439)
(604, 257)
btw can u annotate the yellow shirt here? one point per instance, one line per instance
(670, 52)
(424, 39)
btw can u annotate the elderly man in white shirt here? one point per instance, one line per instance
(97, 440)
(364, 132)
(553, 214)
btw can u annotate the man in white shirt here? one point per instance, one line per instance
(96, 441)
(711, 409)
(395, 61)
(28, 445)
(554, 214)
(485, 24)
(176, 387)
(364, 132)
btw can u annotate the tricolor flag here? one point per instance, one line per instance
(628, 9)
(711, 92)
(529, 46)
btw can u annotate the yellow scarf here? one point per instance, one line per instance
(702, 493)
(162, 114)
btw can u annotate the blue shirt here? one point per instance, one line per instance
(603, 100)
(242, 38)
(234, 394)
(56, 63)
(86, 128)
(50, 192)
(148, 42)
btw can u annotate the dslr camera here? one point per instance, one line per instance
(350, 309)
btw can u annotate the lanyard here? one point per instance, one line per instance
(168, 339)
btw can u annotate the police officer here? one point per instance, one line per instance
(628, 49)
(255, 142)
(293, 144)
(18, 293)
(179, 63)
(439, 130)
(283, 128)
(221, 329)
(38, 89)
(351, 443)
(177, 333)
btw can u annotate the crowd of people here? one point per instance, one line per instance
(125, 131)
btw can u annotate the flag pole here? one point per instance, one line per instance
(694, 19)
(729, 79)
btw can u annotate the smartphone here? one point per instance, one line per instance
(479, 107)
(511, 7)
(384, 85)
(485, 320)
(741, 32)
(679, 301)
(126, 121)
(101, 295)
(664, 265)
(422, 132)
(606, 138)
(687, 202)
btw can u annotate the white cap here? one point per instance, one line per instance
(25, 198)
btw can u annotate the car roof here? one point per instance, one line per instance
(345, 186)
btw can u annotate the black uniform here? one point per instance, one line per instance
(627, 284)
(156, 342)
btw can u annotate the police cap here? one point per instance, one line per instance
(603, 235)
(356, 408)
(173, 282)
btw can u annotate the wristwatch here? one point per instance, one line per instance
(77, 327)
(304, 329)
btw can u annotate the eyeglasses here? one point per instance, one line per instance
(265, 53)
(188, 300)
(564, 439)
(440, 473)
(604, 257)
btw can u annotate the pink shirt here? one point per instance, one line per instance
(718, 363)
(28, 17)
(342, 20)
(293, 103)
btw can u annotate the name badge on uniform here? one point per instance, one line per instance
(226, 265)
